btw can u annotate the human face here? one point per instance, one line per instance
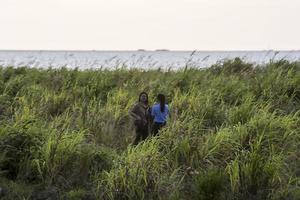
(143, 98)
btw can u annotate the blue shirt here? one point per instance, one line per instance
(159, 116)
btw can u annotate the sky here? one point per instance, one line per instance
(149, 24)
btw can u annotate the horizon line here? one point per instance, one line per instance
(152, 50)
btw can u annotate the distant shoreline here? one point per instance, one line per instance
(140, 59)
(141, 50)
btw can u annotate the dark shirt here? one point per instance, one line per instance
(140, 114)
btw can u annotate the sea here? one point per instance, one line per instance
(136, 59)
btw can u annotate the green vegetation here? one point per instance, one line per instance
(234, 133)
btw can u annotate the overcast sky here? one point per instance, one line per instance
(150, 24)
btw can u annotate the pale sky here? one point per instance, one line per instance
(150, 24)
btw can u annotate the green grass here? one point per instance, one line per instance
(233, 133)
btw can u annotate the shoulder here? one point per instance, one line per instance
(136, 105)
(155, 105)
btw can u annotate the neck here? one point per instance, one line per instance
(143, 103)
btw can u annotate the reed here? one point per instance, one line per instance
(233, 133)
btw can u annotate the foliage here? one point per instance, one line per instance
(233, 133)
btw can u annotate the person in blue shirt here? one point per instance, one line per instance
(159, 113)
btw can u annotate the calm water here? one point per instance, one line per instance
(140, 59)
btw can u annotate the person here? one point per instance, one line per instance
(141, 118)
(160, 113)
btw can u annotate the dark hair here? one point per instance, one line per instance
(141, 95)
(162, 101)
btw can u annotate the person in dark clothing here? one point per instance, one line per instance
(160, 113)
(141, 118)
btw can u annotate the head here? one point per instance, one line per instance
(143, 97)
(162, 101)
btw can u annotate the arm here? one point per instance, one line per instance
(152, 112)
(151, 118)
(133, 113)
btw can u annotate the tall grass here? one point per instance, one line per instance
(233, 133)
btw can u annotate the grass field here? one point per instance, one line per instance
(234, 133)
